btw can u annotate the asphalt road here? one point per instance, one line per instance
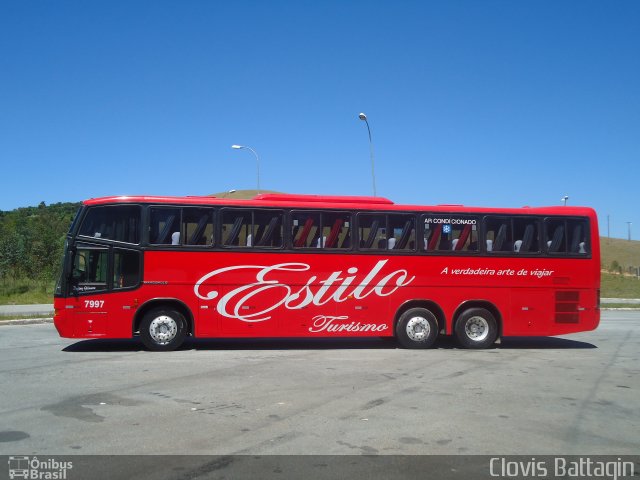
(568, 395)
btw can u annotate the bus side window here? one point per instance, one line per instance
(335, 230)
(126, 268)
(578, 243)
(401, 232)
(555, 236)
(120, 223)
(451, 232)
(268, 229)
(305, 227)
(498, 234)
(371, 229)
(237, 228)
(197, 226)
(526, 235)
(577, 232)
(165, 226)
(90, 269)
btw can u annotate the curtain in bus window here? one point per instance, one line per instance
(525, 233)
(305, 228)
(197, 226)
(498, 234)
(567, 236)
(165, 226)
(578, 230)
(268, 228)
(120, 223)
(401, 232)
(555, 235)
(237, 228)
(372, 231)
(336, 228)
(450, 232)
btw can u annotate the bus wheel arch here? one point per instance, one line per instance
(418, 323)
(169, 303)
(477, 324)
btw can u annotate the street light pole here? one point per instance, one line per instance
(564, 199)
(363, 117)
(238, 147)
(629, 224)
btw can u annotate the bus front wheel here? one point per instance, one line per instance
(417, 328)
(163, 329)
(476, 328)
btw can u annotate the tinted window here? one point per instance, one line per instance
(267, 228)
(126, 268)
(329, 230)
(305, 229)
(372, 231)
(525, 234)
(164, 226)
(498, 234)
(197, 226)
(90, 270)
(567, 235)
(450, 232)
(251, 228)
(379, 231)
(120, 223)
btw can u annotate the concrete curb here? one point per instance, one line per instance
(26, 321)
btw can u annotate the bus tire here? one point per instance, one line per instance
(417, 328)
(476, 328)
(163, 329)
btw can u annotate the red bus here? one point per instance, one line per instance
(279, 265)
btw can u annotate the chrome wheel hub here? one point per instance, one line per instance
(418, 329)
(477, 329)
(163, 329)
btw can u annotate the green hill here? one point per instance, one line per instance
(241, 194)
(626, 253)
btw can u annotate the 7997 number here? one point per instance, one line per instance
(93, 303)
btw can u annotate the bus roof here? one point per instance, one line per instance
(331, 202)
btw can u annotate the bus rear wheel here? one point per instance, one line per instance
(163, 329)
(476, 328)
(417, 328)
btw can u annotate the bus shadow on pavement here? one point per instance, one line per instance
(363, 343)
(542, 343)
(105, 345)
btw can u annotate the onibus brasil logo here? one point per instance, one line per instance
(36, 469)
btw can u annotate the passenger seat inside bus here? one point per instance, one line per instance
(556, 242)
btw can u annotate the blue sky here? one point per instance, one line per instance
(490, 103)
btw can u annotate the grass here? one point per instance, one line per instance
(4, 318)
(25, 292)
(628, 306)
(626, 253)
(619, 286)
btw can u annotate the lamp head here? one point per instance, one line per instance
(363, 117)
(237, 146)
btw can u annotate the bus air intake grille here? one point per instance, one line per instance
(567, 303)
